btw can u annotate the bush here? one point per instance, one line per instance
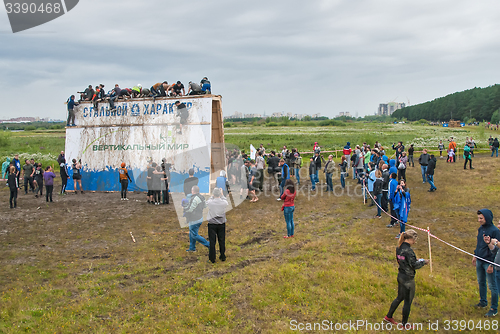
(30, 128)
(55, 127)
(227, 125)
(272, 124)
(4, 138)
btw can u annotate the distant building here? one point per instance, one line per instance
(386, 109)
(253, 116)
(315, 115)
(342, 113)
(277, 114)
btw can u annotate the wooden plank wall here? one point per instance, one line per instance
(218, 162)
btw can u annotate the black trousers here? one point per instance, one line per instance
(401, 174)
(470, 162)
(393, 213)
(124, 183)
(39, 187)
(48, 192)
(64, 181)
(13, 197)
(406, 292)
(384, 203)
(217, 231)
(166, 199)
(28, 180)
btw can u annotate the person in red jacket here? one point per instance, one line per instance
(347, 154)
(289, 207)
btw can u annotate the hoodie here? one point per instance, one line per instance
(5, 167)
(347, 149)
(402, 202)
(489, 229)
(392, 166)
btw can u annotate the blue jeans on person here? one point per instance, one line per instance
(282, 187)
(482, 277)
(378, 199)
(288, 213)
(313, 181)
(316, 176)
(493, 150)
(424, 172)
(194, 236)
(402, 226)
(430, 178)
(329, 182)
(342, 180)
(297, 176)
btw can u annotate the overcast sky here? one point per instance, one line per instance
(262, 56)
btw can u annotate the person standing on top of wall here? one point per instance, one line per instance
(71, 111)
(206, 87)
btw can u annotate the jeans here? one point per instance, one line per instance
(342, 179)
(430, 178)
(313, 181)
(288, 213)
(329, 183)
(378, 199)
(217, 232)
(410, 160)
(470, 162)
(297, 176)
(316, 176)
(282, 187)
(124, 184)
(493, 150)
(112, 102)
(424, 171)
(194, 236)
(482, 277)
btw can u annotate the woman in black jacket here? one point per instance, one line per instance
(408, 263)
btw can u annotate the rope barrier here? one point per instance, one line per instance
(428, 232)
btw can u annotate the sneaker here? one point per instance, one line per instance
(479, 305)
(125, 199)
(399, 234)
(190, 250)
(121, 199)
(390, 320)
(286, 237)
(278, 199)
(490, 314)
(389, 225)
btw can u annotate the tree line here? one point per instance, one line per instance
(478, 103)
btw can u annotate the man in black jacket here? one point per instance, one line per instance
(430, 172)
(273, 168)
(423, 160)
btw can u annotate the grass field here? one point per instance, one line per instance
(73, 267)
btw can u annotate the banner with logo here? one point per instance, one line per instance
(139, 137)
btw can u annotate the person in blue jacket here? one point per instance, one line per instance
(221, 183)
(402, 202)
(484, 270)
(393, 184)
(392, 166)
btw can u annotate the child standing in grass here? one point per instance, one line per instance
(402, 201)
(451, 153)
